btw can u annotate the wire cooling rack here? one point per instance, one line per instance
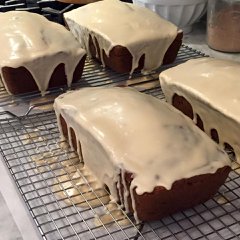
(66, 203)
(44, 170)
(94, 75)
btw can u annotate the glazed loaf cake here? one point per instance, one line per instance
(123, 36)
(37, 54)
(208, 94)
(151, 157)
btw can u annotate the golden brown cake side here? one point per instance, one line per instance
(120, 59)
(20, 80)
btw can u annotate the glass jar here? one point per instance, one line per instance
(223, 25)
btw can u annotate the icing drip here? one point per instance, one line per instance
(60, 129)
(212, 88)
(126, 191)
(121, 128)
(119, 190)
(133, 203)
(33, 42)
(114, 23)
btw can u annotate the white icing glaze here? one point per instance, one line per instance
(212, 88)
(121, 129)
(31, 41)
(114, 23)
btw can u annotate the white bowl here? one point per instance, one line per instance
(182, 13)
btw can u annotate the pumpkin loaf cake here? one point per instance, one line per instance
(37, 54)
(208, 94)
(151, 157)
(124, 36)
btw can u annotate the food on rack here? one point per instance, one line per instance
(151, 157)
(208, 94)
(123, 36)
(37, 54)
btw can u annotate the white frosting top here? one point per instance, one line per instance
(215, 82)
(31, 41)
(114, 23)
(140, 134)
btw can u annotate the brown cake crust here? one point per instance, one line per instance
(120, 59)
(20, 80)
(184, 194)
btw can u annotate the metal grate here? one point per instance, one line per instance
(47, 175)
(93, 75)
(59, 214)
